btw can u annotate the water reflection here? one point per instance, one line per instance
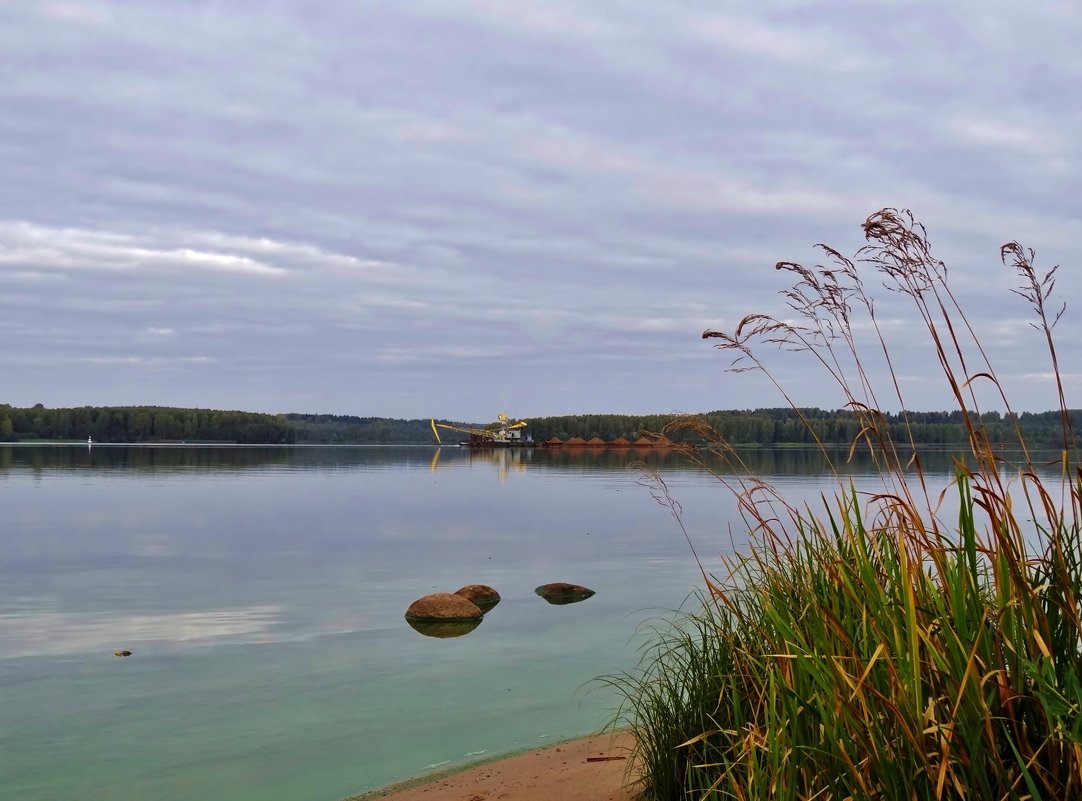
(787, 461)
(202, 458)
(444, 630)
(504, 461)
(261, 588)
(34, 629)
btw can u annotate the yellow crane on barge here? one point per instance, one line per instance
(502, 433)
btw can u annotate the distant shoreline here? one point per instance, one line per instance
(742, 428)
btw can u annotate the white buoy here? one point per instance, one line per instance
(90, 442)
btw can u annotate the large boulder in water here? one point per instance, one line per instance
(560, 593)
(443, 607)
(481, 594)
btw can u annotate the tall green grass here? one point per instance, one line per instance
(865, 648)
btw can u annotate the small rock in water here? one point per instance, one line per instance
(121, 653)
(481, 594)
(560, 593)
(443, 607)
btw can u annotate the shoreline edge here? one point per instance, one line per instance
(586, 768)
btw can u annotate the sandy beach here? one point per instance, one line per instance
(590, 769)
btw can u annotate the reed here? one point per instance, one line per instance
(864, 648)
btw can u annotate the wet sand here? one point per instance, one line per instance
(589, 769)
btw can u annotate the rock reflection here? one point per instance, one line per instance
(444, 629)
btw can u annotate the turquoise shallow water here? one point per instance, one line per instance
(262, 590)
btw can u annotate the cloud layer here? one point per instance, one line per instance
(448, 209)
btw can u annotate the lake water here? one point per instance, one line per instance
(261, 591)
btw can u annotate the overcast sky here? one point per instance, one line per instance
(418, 208)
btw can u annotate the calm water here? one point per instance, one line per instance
(262, 590)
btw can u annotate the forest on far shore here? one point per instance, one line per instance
(754, 427)
(142, 424)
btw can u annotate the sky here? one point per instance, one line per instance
(425, 208)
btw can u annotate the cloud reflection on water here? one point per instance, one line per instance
(35, 631)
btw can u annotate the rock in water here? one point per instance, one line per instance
(121, 653)
(443, 607)
(481, 594)
(560, 593)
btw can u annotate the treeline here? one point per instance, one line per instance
(780, 426)
(783, 426)
(143, 424)
(343, 429)
(774, 426)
